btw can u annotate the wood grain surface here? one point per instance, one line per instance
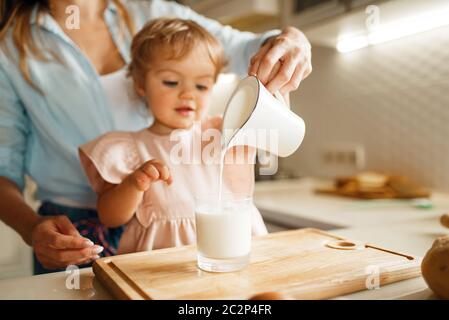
(303, 264)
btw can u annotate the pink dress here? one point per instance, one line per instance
(165, 217)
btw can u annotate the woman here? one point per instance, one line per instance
(60, 86)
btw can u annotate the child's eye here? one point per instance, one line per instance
(170, 83)
(201, 87)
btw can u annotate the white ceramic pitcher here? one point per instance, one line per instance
(253, 116)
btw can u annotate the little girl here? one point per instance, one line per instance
(174, 66)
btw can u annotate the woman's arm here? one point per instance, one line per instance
(55, 241)
(117, 203)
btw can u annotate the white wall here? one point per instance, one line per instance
(393, 98)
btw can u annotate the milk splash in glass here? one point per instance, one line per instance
(223, 229)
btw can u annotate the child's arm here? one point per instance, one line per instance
(117, 203)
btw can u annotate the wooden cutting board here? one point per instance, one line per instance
(304, 263)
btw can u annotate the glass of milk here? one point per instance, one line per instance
(223, 231)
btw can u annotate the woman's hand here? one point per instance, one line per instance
(150, 171)
(283, 61)
(57, 244)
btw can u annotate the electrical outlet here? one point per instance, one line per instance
(341, 156)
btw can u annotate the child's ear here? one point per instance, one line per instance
(139, 86)
(139, 89)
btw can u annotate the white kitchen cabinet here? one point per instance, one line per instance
(301, 13)
(232, 10)
(247, 15)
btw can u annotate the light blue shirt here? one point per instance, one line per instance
(40, 134)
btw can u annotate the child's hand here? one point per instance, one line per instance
(150, 171)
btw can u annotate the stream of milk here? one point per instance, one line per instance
(237, 113)
(224, 225)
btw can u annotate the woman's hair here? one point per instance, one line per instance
(16, 15)
(175, 38)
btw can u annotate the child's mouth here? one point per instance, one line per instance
(185, 111)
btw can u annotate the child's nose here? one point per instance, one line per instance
(187, 93)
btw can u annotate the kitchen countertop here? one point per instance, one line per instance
(395, 225)
(294, 203)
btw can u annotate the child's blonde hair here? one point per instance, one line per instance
(175, 38)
